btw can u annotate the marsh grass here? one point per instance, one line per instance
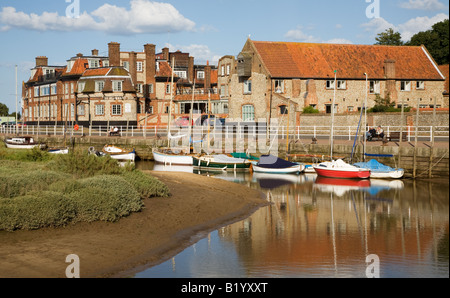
(39, 191)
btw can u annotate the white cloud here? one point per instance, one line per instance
(144, 16)
(430, 5)
(407, 29)
(419, 24)
(202, 53)
(298, 35)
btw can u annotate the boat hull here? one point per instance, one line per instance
(291, 170)
(16, 146)
(172, 159)
(119, 153)
(387, 175)
(58, 151)
(207, 164)
(342, 173)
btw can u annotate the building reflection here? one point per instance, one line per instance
(316, 225)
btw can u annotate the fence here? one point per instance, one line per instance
(424, 133)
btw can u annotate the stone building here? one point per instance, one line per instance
(279, 79)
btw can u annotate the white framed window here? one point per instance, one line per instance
(139, 66)
(81, 110)
(93, 63)
(140, 88)
(126, 65)
(420, 85)
(100, 110)
(350, 108)
(53, 89)
(117, 86)
(248, 113)
(228, 69)
(374, 87)
(279, 86)
(168, 89)
(200, 75)
(116, 110)
(341, 84)
(180, 73)
(36, 91)
(405, 86)
(99, 85)
(150, 88)
(222, 70)
(247, 87)
(330, 84)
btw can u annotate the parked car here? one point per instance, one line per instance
(213, 121)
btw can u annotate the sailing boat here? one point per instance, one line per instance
(339, 168)
(173, 156)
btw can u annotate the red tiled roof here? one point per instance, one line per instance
(79, 66)
(96, 72)
(313, 60)
(164, 70)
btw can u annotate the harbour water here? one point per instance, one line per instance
(319, 227)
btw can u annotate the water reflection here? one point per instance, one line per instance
(319, 227)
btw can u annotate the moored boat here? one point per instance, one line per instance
(23, 143)
(119, 153)
(340, 169)
(58, 150)
(221, 162)
(171, 157)
(275, 165)
(381, 171)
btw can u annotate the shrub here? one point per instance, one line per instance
(146, 185)
(42, 209)
(310, 110)
(104, 197)
(82, 165)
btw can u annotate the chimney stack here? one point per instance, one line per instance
(95, 52)
(133, 67)
(41, 61)
(150, 66)
(389, 73)
(389, 68)
(114, 53)
(165, 54)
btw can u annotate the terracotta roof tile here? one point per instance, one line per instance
(313, 60)
(79, 66)
(96, 72)
(164, 70)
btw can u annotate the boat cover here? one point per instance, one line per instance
(374, 166)
(273, 162)
(222, 158)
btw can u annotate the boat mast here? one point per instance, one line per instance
(170, 104)
(191, 117)
(332, 117)
(17, 126)
(365, 121)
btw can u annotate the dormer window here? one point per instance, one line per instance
(117, 86)
(279, 86)
(93, 63)
(99, 85)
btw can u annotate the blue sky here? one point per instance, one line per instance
(207, 29)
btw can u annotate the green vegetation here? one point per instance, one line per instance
(310, 110)
(39, 190)
(384, 105)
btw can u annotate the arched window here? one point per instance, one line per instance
(248, 113)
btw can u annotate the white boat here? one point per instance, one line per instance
(274, 165)
(381, 171)
(221, 162)
(23, 143)
(119, 153)
(171, 157)
(58, 150)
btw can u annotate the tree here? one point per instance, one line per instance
(389, 38)
(435, 40)
(4, 110)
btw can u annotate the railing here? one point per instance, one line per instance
(424, 133)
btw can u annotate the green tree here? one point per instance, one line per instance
(436, 40)
(4, 110)
(389, 38)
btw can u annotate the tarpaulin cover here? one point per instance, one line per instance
(273, 162)
(374, 165)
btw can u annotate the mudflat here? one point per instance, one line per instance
(165, 226)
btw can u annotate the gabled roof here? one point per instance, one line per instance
(315, 60)
(79, 66)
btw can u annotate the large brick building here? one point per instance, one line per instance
(132, 88)
(268, 78)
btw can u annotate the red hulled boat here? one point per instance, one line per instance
(340, 169)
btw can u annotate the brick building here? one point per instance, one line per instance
(124, 87)
(274, 79)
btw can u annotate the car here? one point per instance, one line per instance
(182, 121)
(213, 121)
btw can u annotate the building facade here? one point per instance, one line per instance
(279, 79)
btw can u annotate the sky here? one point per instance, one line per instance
(207, 29)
